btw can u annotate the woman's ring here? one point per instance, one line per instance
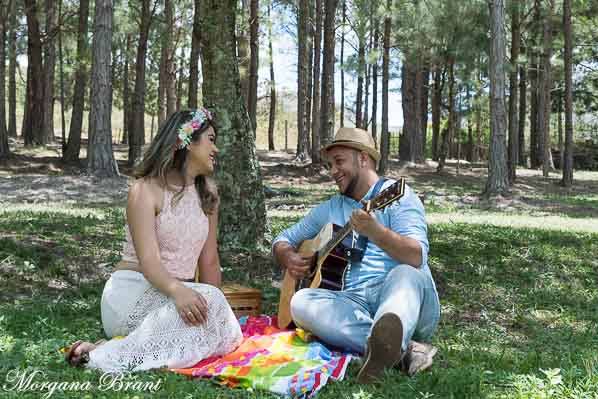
(189, 313)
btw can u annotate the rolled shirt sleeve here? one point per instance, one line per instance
(408, 218)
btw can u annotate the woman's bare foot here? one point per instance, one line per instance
(78, 353)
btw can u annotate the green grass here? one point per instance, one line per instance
(519, 307)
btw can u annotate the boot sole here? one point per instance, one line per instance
(383, 348)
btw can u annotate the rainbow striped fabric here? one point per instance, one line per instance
(275, 360)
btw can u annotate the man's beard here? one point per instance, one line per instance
(351, 187)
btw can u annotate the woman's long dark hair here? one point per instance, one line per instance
(162, 155)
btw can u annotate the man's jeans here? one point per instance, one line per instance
(345, 318)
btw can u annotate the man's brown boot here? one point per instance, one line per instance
(383, 348)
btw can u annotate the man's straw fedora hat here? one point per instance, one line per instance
(355, 138)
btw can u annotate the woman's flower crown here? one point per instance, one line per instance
(200, 117)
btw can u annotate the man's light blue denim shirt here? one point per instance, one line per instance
(405, 217)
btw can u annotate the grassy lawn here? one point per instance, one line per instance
(520, 307)
(517, 279)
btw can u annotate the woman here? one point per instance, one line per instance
(172, 215)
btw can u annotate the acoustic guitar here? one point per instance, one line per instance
(331, 250)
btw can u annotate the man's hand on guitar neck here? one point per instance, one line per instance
(296, 265)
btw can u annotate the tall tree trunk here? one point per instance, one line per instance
(4, 11)
(438, 75)
(478, 125)
(302, 65)
(447, 132)
(547, 163)
(61, 72)
(163, 69)
(179, 83)
(513, 146)
(194, 63)
(315, 113)
(245, 217)
(327, 101)
(522, 112)
(498, 180)
(366, 101)
(73, 146)
(126, 93)
(100, 157)
(310, 66)
(425, 89)
(360, 73)
(344, 12)
(33, 128)
(254, 62)
(272, 113)
(470, 113)
(568, 34)
(49, 67)
(170, 60)
(243, 48)
(536, 151)
(12, 69)
(560, 129)
(137, 136)
(384, 135)
(375, 83)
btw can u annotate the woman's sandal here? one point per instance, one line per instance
(83, 358)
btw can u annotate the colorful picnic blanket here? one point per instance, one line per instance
(275, 360)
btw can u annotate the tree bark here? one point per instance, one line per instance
(194, 62)
(522, 112)
(137, 136)
(498, 182)
(360, 73)
(33, 129)
(100, 158)
(127, 120)
(425, 89)
(4, 11)
(384, 135)
(272, 113)
(447, 132)
(12, 69)
(547, 164)
(438, 76)
(49, 67)
(302, 65)
(253, 63)
(244, 49)
(73, 146)
(327, 100)
(567, 180)
(536, 150)
(61, 72)
(243, 211)
(342, 113)
(513, 146)
(315, 113)
(375, 83)
(171, 96)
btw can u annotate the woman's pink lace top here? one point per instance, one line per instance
(181, 229)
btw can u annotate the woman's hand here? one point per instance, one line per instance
(191, 305)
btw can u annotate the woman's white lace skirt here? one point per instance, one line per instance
(155, 334)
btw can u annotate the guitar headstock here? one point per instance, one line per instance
(392, 193)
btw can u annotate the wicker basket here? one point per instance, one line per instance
(244, 301)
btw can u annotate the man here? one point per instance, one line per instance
(389, 296)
